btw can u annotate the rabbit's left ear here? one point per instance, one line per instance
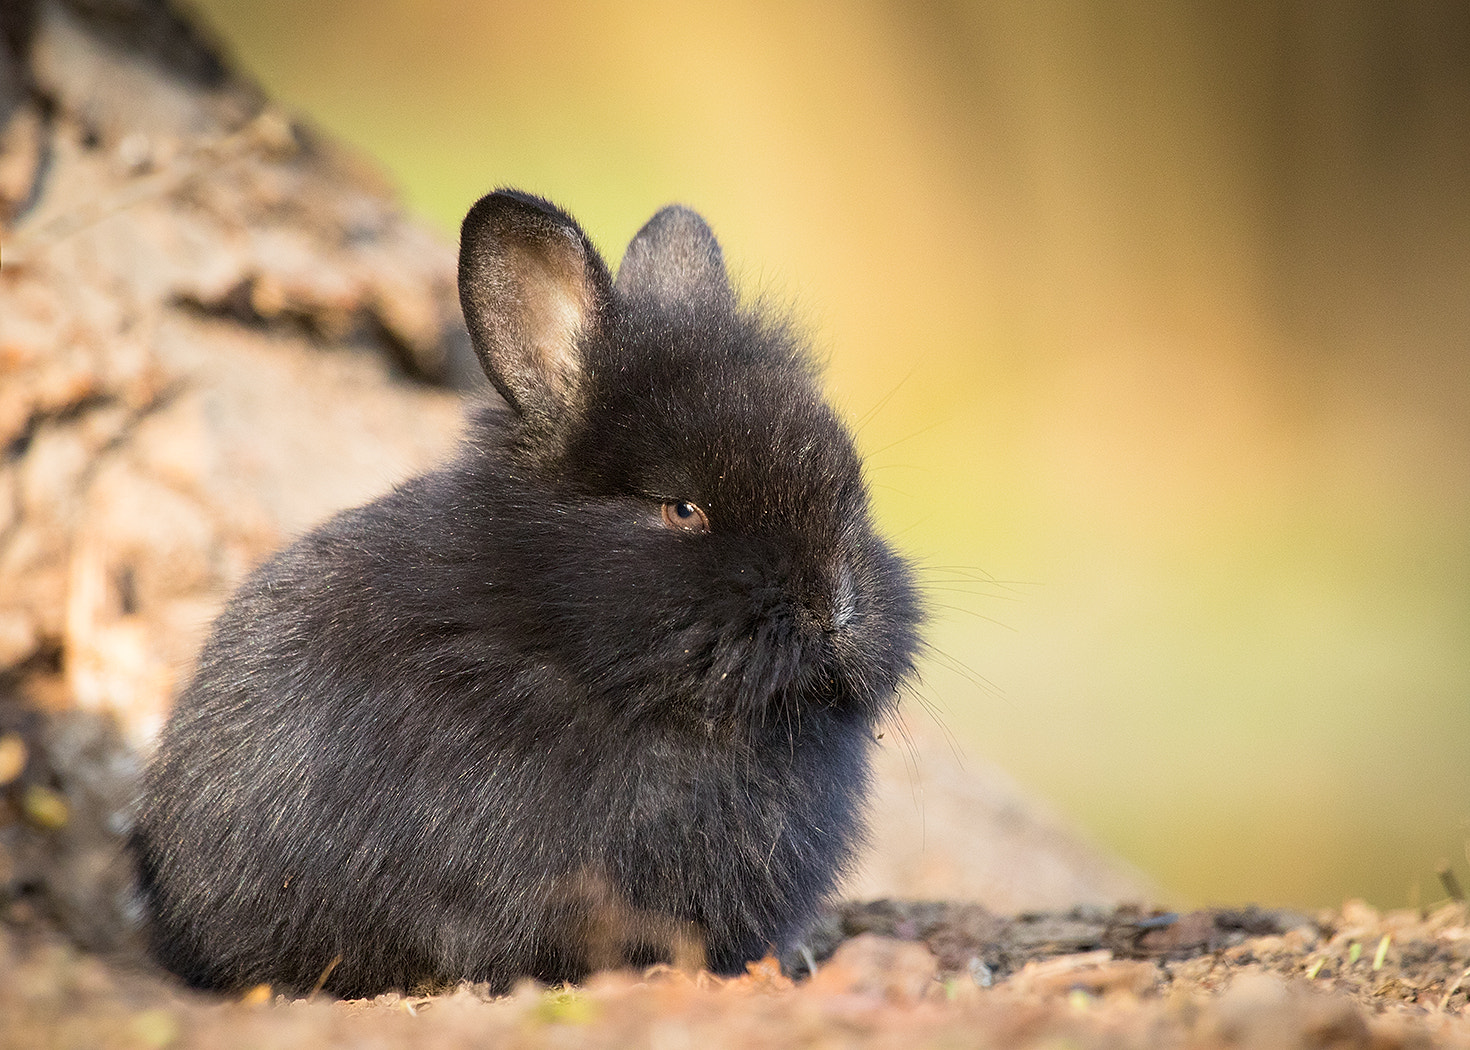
(675, 260)
(533, 290)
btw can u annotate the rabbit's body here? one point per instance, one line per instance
(607, 680)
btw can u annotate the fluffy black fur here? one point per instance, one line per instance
(417, 736)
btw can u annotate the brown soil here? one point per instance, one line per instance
(898, 974)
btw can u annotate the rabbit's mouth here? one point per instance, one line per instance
(840, 640)
(806, 659)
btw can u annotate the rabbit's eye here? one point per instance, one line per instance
(685, 516)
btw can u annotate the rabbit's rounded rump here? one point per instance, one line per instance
(600, 691)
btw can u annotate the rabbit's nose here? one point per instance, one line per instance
(835, 604)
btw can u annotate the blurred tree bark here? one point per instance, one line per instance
(153, 203)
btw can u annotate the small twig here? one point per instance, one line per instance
(266, 133)
(1449, 882)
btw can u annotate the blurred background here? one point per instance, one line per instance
(1155, 319)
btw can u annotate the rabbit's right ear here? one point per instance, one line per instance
(533, 289)
(674, 260)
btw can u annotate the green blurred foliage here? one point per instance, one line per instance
(1156, 320)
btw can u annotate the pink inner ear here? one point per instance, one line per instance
(553, 307)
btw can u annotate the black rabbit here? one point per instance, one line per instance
(605, 684)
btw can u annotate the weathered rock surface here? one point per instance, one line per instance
(206, 322)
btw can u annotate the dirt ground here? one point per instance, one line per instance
(899, 974)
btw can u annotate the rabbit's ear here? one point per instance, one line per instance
(532, 288)
(675, 259)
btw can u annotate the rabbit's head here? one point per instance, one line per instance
(686, 517)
